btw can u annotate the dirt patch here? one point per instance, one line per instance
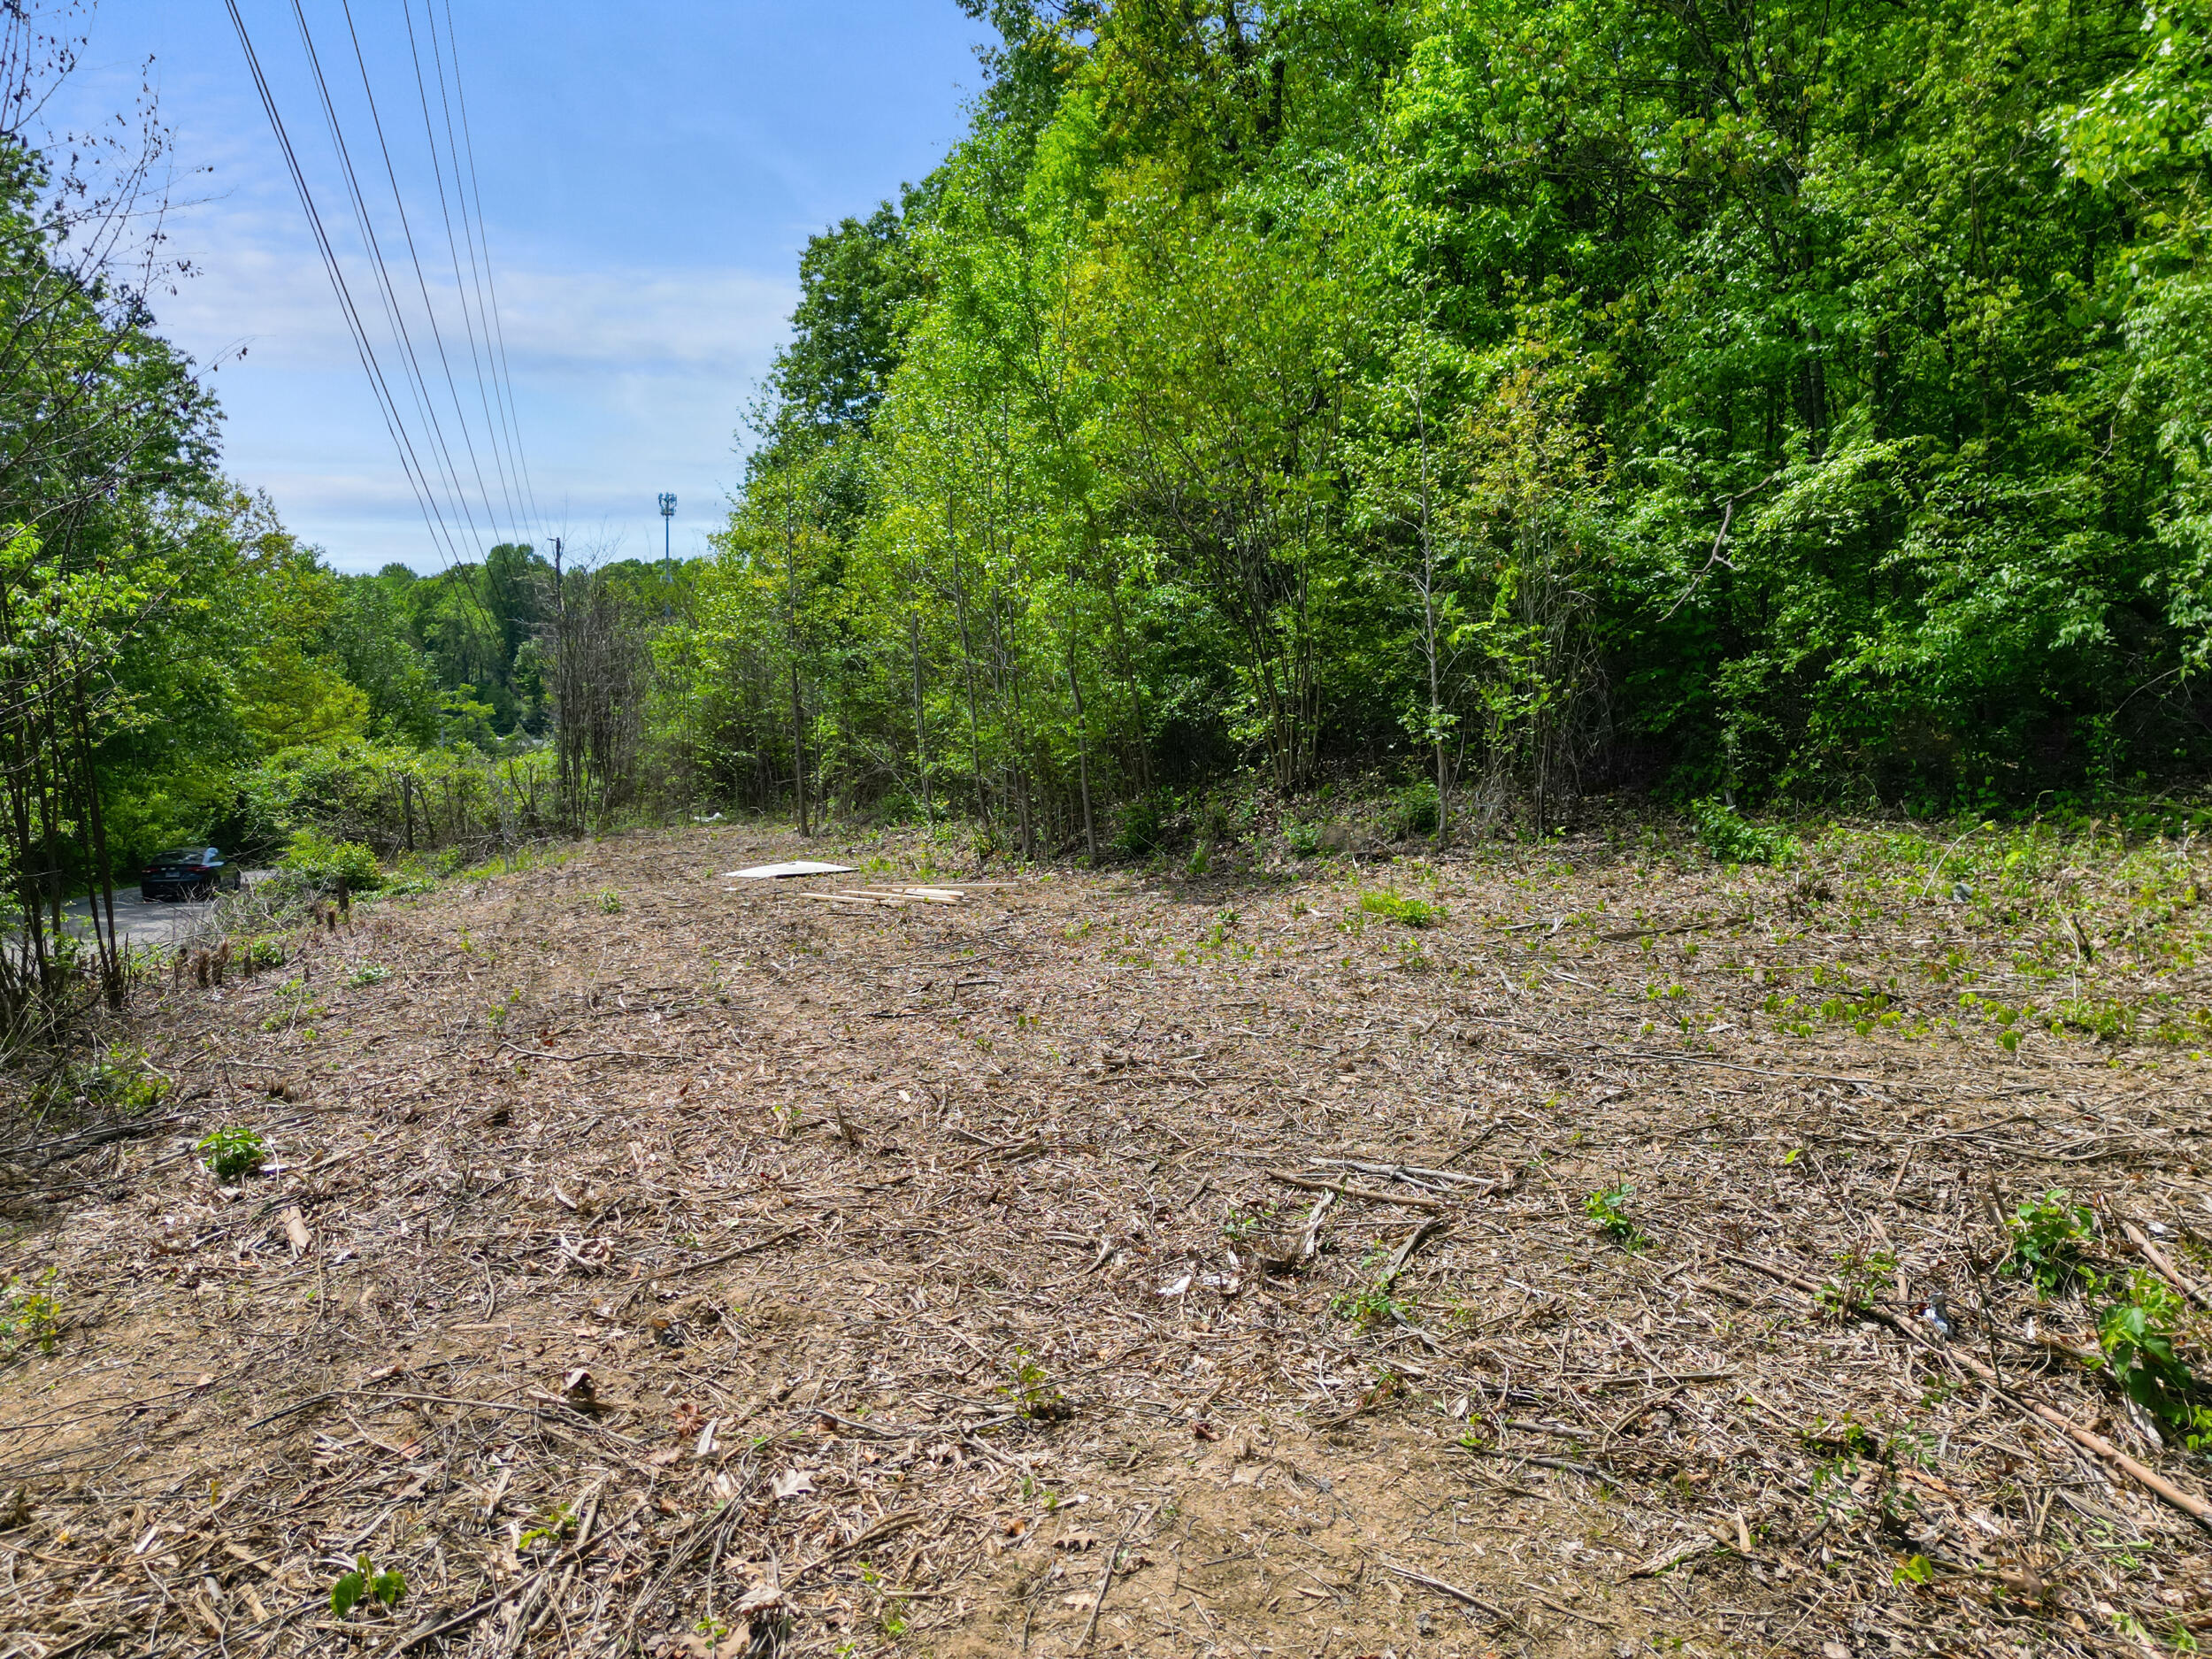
(651, 1262)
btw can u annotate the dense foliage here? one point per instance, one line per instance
(1790, 398)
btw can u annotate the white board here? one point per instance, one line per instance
(797, 867)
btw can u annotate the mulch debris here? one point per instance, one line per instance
(1102, 1263)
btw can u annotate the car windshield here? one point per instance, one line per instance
(177, 855)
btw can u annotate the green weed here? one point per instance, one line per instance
(2137, 1334)
(1860, 1275)
(364, 1583)
(233, 1151)
(1608, 1207)
(1732, 840)
(369, 973)
(1371, 1304)
(1407, 912)
(1032, 1390)
(30, 1317)
(2048, 1234)
(556, 1527)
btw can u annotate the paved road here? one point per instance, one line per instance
(146, 921)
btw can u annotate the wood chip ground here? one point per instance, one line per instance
(651, 1263)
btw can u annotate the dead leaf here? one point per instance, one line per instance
(792, 1483)
(1080, 1601)
(579, 1391)
(1076, 1540)
(295, 1230)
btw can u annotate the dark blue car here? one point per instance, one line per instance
(185, 872)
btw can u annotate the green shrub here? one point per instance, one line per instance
(2137, 1334)
(315, 858)
(1304, 839)
(2048, 1234)
(1414, 809)
(233, 1151)
(1410, 913)
(1147, 824)
(30, 1316)
(1732, 840)
(117, 1079)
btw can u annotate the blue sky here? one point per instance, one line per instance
(648, 175)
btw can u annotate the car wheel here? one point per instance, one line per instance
(145, 893)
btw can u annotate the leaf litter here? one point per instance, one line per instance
(1107, 1264)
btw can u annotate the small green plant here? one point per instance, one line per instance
(1031, 1388)
(2137, 1334)
(1407, 912)
(2047, 1235)
(610, 901)
(1732, 840)
(30, 1316)
(233, 1151)
(1860, 1274)
(1371, 1303)
(364, 1583)
(369, 973)
(117, 1079)
(266, 951)
(556, 1527)
(1609, 1208)
(1242, 1225)
(1304, 839)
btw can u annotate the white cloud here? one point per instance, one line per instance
(626, 380)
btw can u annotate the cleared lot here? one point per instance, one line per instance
(1121, 1263)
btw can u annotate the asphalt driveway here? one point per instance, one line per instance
(146, 922)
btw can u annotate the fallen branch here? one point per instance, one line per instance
(753, 1248)
(1429, 1581)
(1681, 927)
(469, 1616)
(1404, 1252)
(881, 1530)
(1674, 1557)
(1310, 1184)
(596, 1053)
(2195, 1508)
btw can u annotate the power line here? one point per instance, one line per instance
(387, 406)
(499, 328)
(434, 469)
(418, 382)
(407, 231)
(453, 248)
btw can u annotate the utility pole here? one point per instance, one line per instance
(668, 568)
